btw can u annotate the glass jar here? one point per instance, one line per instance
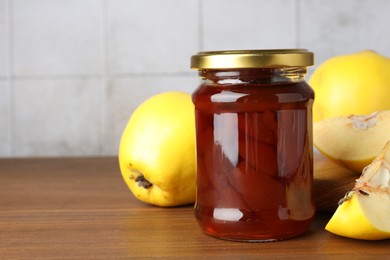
(254, 144)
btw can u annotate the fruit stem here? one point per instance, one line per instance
(347, 196)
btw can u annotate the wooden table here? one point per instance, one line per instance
(80, 208)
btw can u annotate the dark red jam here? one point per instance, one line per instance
(254, 153)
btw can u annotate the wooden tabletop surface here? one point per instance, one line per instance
(80, 208)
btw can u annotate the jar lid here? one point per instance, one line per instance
(252, 59)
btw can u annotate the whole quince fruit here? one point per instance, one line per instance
(364, 213)
(356, 84)
(157, 150)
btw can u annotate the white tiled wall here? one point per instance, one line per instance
(57, 116)
(56, 37)
(248, 24)
(5, 140)
(345, 26)
(72, 72)
(3, 38)
(151, 36)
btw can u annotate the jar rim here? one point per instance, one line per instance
(266, 58)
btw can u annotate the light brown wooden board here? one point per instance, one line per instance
(80, 208)
(331, 183)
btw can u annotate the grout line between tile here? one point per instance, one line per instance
(298, 23)
(55, 77)
(200, 24)
(152, 75)
(104, 74)
(104, 81)
(11, 90)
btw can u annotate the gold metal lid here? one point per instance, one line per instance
(252, 59)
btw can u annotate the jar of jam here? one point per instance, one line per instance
(254, 144)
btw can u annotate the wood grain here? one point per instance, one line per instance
(331, 183)
(80, 208)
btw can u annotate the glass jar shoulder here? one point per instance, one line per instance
(271, 95)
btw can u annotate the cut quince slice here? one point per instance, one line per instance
(364, 213)
(352, 141)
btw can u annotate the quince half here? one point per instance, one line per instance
(157, 150)
(364, 213)
(352, 141)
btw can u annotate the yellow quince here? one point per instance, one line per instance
(357, 83)
(157, 150)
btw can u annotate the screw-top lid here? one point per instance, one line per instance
(252, 59)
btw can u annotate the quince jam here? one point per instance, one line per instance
(254, 153)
